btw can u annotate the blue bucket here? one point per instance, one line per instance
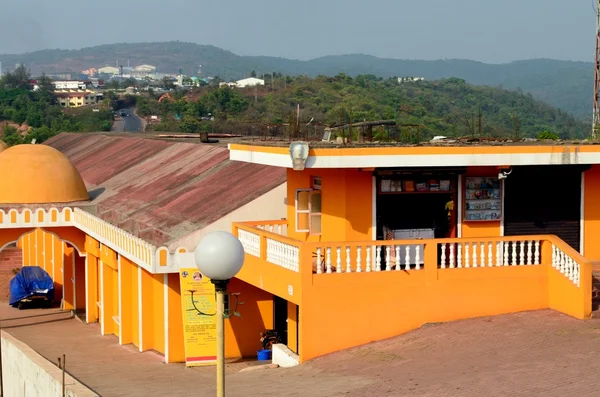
(264, 355)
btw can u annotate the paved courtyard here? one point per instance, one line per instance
(527, 354)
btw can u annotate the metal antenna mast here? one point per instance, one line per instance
(596, 115)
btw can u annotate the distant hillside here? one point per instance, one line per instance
(446, 107)
(566, 85)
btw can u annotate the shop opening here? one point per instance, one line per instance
(417, 204)
(544, 200)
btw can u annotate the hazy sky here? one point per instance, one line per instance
(484, 30)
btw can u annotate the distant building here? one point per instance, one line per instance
(109, 70)
(409, 79)
(145, 68)
(64, 85)
(90, 72)
(77, 98)
(249, 82)
(230, 85)
(61, 76)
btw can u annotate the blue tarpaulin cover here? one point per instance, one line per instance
(30, 281)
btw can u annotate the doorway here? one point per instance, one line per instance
(280, 318)
(544, 200)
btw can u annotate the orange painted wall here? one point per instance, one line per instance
(79, 281)
(176, 341)
(380, 305)
(148, 311)
(126, 317)
(346, 203)
(242, 335)
(68, 286)
(591, 210)
(158, 312)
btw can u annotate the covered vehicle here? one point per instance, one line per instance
(31, 284)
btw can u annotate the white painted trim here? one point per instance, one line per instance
(74, 281)
(502, 187)
(36, 246)
(140, 308)
(296, 213)
(459, 206)
(120, 297)
(101, 313)
(53, 257)
(29, 245)
(559, 156)
(87, 286)
(44, 260)
(374, 208)
(582, 217)
(166, 311)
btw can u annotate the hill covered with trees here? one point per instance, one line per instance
(449, 107)
(563, 84)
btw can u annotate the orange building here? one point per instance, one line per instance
(113, 219)
(374, 241)
(380, 240)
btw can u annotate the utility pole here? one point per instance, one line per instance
(596, 114)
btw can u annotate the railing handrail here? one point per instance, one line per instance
(428, 241)
(263, 223)
(272, 235)
(567, 249)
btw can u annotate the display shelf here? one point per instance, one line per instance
(483, 199)
(415, 186)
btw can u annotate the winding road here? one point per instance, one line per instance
(129, 123)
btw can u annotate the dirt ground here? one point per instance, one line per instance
(540, 353)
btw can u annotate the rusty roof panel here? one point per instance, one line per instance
(160, 190)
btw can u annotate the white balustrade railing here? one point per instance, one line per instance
(489, 253)
(280, 229)
(283, 254)
(566, 265)
(250, 241)
(368, 258)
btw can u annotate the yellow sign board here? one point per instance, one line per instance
(199, 322)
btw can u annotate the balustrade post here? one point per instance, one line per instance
(546, 253)
(263, 246)
(430, 260)
(305, 260)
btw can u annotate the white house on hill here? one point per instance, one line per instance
(249, 82)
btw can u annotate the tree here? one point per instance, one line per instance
(167, 83)
(19, 78)
(129, 82)
(253, 74)
(189, 125)
(113, 84)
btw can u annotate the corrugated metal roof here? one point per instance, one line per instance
(160, 190)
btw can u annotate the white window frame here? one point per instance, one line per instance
(306, 211)
(311, 213)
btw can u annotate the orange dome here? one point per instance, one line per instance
(38, 174)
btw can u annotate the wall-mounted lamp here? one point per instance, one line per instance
(299, 154)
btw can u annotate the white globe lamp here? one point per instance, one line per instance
(219, 256)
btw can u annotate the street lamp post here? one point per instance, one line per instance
(219, 256)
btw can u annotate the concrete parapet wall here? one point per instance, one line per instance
(27, 374)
